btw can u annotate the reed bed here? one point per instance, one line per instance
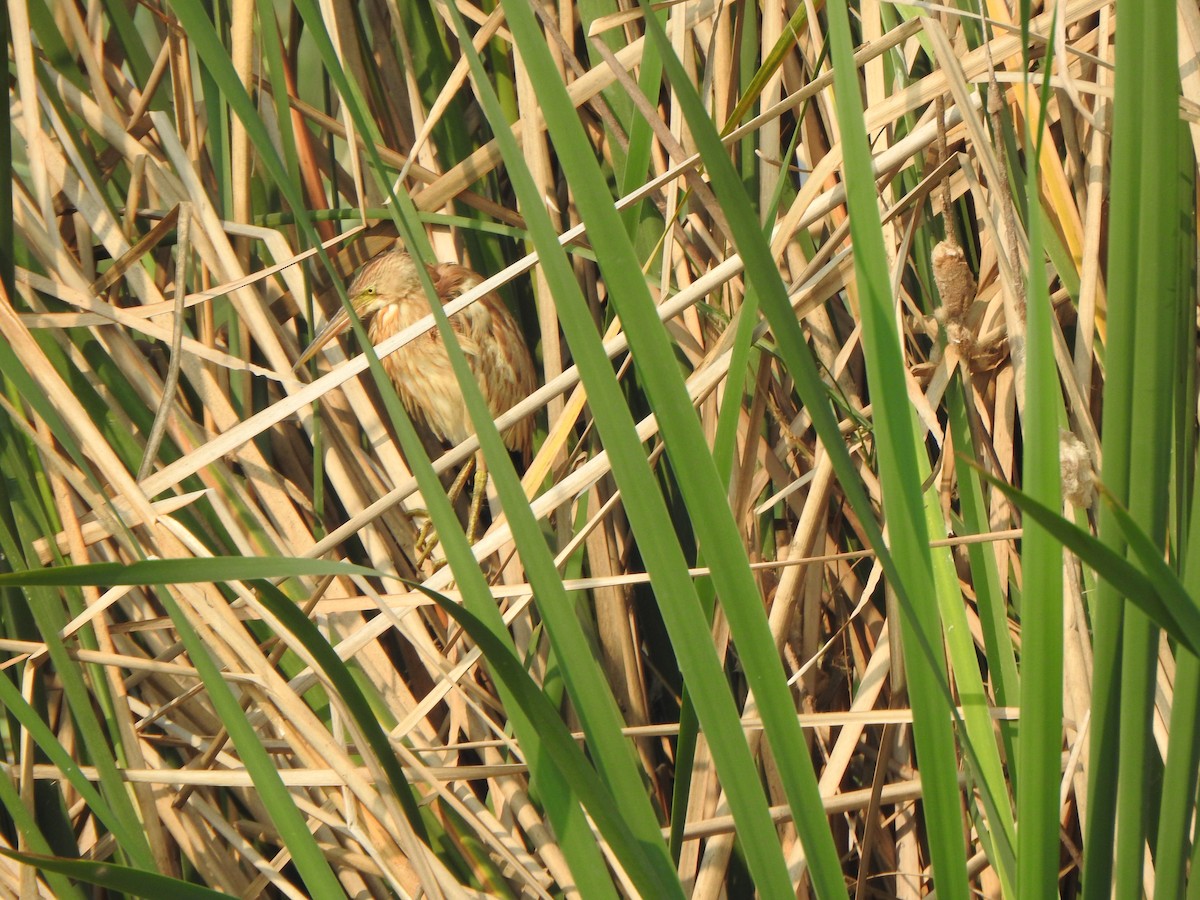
(857, 529)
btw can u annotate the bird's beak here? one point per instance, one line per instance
(335, 326)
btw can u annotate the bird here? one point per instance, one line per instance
(388, 296)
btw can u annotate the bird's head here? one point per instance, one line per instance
(388, 278)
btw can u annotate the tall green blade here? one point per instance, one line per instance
(898, 472)
(1143, 293)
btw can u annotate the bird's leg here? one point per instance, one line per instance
(477, 495)
(426, 541)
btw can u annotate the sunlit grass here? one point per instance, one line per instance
(791, 494)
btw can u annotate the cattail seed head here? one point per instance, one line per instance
(955, 281)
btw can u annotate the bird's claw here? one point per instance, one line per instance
(426, 542)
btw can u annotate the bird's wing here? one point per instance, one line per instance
(472, 325)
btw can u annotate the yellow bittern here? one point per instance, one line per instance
(388, 296)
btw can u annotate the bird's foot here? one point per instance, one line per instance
(427, 539)
(426, 542)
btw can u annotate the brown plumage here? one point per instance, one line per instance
(388, 296)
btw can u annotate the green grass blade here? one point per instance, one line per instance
(126, 880)
(82, 696)
(1174, 834)
(310, 862)
(1039, 754)
(978, 727)
(7, 238)
(273, 65)
(641, 860)
(1182, 612)
(136, 54)
(27, 826)
(774, 58)
(1002, 663)
(205, 41)
(898, 470)
(1141, 589)
(1142, 290)
(46, 739)
(347, 691)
